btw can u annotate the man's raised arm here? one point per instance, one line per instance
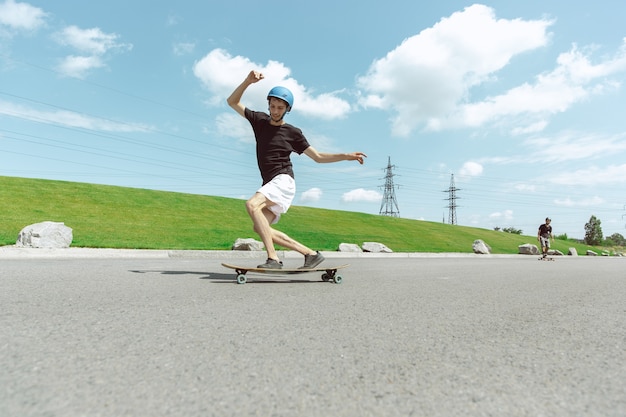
(234, 100)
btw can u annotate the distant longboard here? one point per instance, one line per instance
(329, 275)
(546, 258)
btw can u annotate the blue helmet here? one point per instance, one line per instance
(283, 94)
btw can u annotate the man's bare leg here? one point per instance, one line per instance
(262, 217)
(255, 207)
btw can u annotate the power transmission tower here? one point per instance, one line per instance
(452, 200)
(389, 205)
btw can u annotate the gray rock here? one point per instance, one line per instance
(375, 247)
(572, 252)
(349, 247)
(248, 244)
(481, 247)
(528, 249)
(591, 253)
(45, 235)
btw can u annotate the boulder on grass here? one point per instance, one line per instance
(349, 247)
(248, 244)
(528, 249)
(45, 235)
(481, 247)
(375, 247)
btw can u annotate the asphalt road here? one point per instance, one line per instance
(468, 336)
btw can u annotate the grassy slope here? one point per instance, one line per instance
(117, 217)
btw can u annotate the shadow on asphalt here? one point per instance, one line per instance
(221, 278)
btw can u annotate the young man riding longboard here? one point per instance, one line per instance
(275, 141)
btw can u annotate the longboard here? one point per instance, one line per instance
(546, 258)
(329, 275)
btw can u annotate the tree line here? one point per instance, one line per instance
(593, 235)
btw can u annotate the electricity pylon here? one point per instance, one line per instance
(452, 200)
(389, 205)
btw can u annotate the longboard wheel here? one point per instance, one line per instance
(325, 277)
(241, 279)
(337, 279)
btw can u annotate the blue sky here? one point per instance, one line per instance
(522, 101)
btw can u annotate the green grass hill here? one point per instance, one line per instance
(117, 217)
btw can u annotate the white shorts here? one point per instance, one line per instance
(280, 190)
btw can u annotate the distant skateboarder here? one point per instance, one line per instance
(544, 235)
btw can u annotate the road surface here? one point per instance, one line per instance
(441, 336)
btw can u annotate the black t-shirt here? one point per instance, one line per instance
(545, 230)
(274, 144)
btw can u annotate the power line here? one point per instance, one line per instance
(102, 86)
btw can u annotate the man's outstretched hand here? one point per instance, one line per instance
(357, 156)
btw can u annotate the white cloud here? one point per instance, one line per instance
(525, 188)
(183, 48)
(311, 195)
(428, 80)
(93, 44)
(221, 72)
(568, 202)
(231, 125)
(569, 146)
(361, 195)
(613, 174)
(529, 128)
(91, 41)
(68, 118)
(471, 169)
(173, 20)
(573, 80)
(505, 216)
(21, 16)
(427, 77)
(79, 66)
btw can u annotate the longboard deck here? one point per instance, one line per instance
(283, 271)
(330, 272)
